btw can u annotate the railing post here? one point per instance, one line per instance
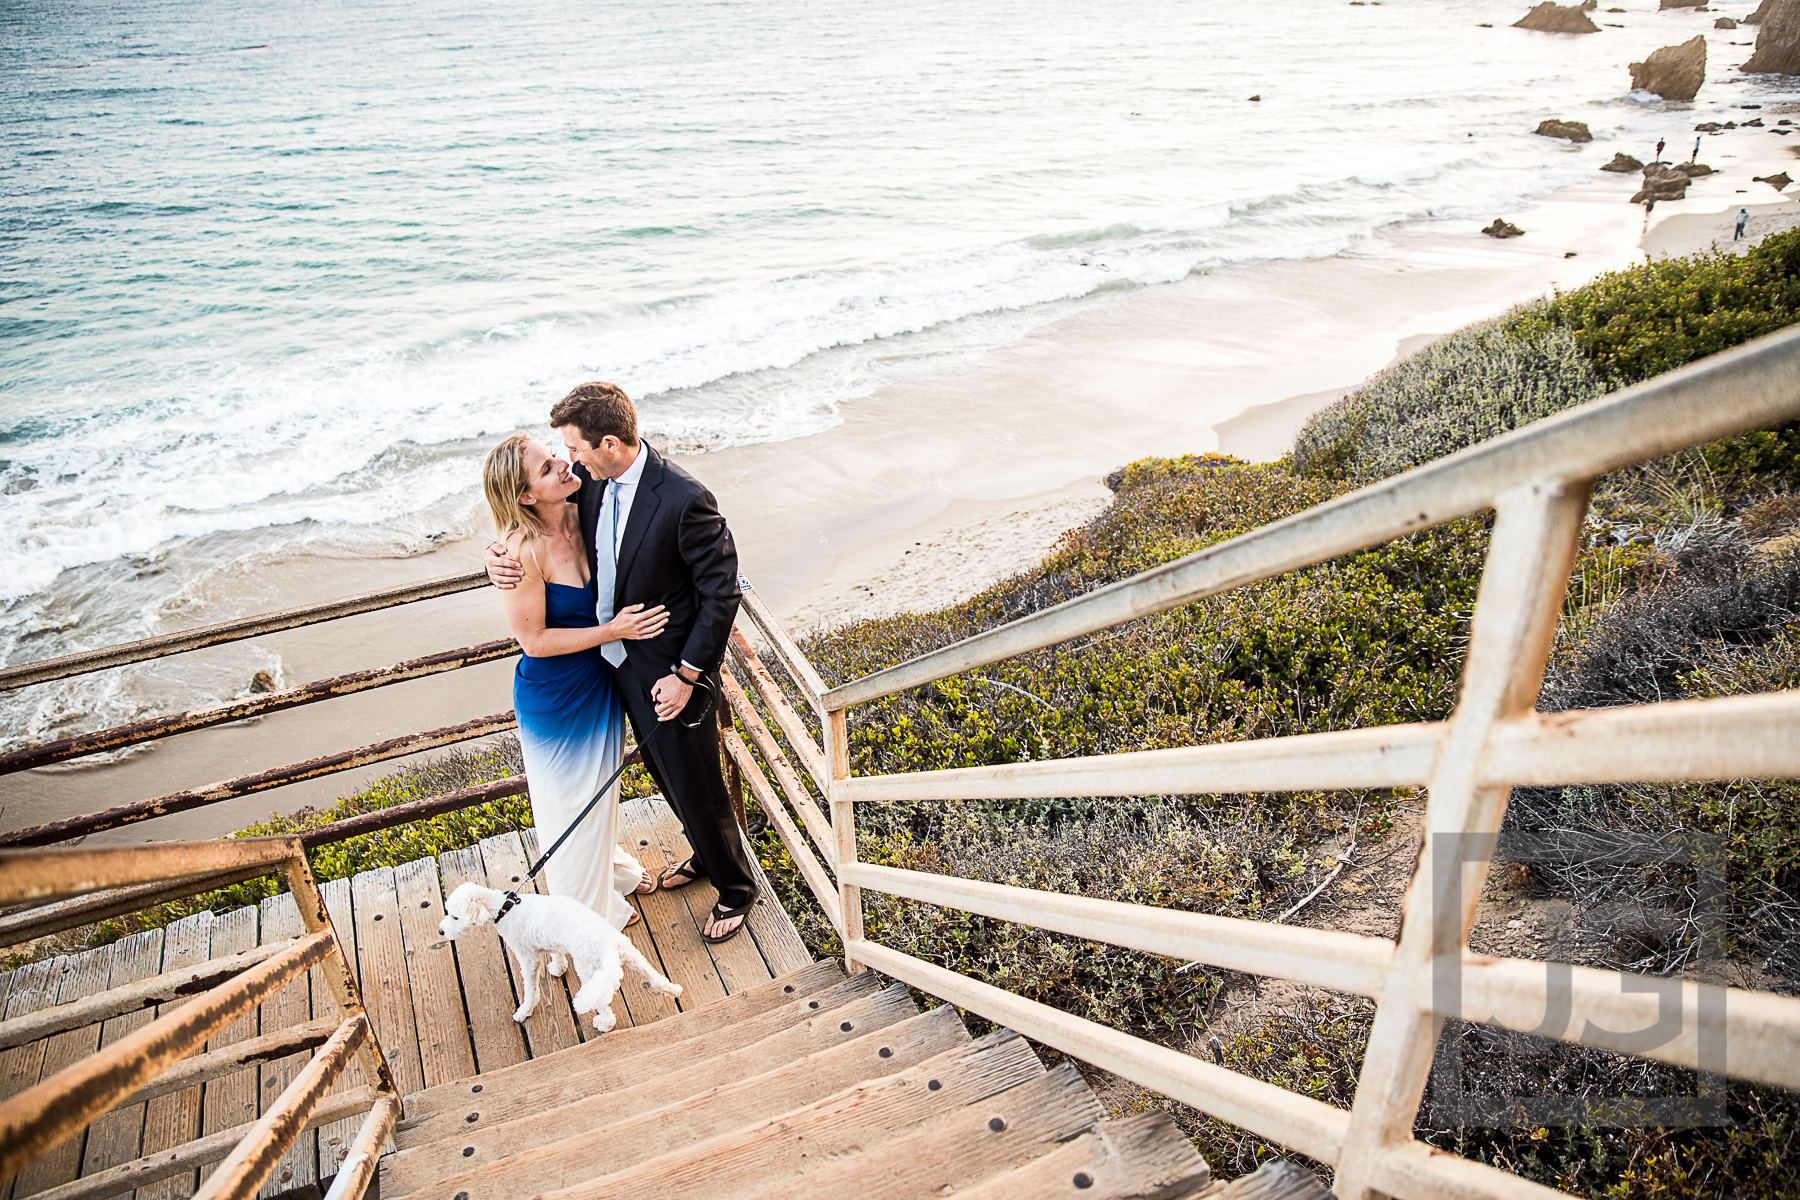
(1522, 587)
(339, 975)
(843, 824)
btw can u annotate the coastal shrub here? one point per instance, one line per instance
(1652, 317)
(1727, 625)
(1475, 384)
(1623, 327)
(1373, 638)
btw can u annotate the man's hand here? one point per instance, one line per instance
(503, 572)
(671, 696)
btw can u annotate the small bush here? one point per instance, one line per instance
(1473, 385)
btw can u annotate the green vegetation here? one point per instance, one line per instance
(1688, 584)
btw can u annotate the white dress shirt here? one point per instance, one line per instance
(627, 483)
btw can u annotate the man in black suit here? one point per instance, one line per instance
(660, 532)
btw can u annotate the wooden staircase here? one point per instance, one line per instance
(808, 1085)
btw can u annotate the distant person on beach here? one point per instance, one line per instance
(563, 694)
(1659, 149)
(654, 536)
(1695, 156)
(1742, 220)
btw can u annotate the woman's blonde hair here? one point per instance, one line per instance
(503, 479)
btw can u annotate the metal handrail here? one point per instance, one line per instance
(1537, 480)
(86, 661)
(42, 1116)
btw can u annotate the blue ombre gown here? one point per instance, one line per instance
(571, 729)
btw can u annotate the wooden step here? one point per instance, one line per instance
(518, 1159)
(621, 1043)
(845, 1011)
(994, 1080)
(1277, 1179)
(1145, 1157)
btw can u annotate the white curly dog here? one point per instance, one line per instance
(550, 932)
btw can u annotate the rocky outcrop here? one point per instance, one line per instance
(1756, 17)
(1694, 170)
(1575, 131)
(1623, 164)
(1674, 72)
(1503, 229)
(1777, 181)
(1682, 4)
(1778, 41)
(1662, 182)
(1724, 23)
(1550, 17)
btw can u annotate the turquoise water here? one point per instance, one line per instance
(277, 274)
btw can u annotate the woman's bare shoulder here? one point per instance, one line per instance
(519, 546)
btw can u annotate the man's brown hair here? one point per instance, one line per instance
(597, 410)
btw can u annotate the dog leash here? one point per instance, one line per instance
(512, 898)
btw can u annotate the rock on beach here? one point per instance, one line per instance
(1551, 17)
(1503, 229)
(1674, 72)
(1575, 131)
(1623, 164)
(1778, 41)
(1662, 182)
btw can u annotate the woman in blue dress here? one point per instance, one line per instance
(570, 724)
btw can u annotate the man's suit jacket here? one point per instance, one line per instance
(676, 552)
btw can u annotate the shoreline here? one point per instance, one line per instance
(928, 492)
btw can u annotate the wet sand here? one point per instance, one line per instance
(929, 492)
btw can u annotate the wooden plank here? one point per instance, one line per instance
(605, 1133)
(773, 928)
(486, 986)
(868, 1142)
(1277, 1179)
(231, 1099)
(739, 964)
(386, 991)
(751, 1052)
(552, 1026)
(1145, 1155)
(334, 1139)
(292, 1006)
(170, 1121)
(118, 1137)
(671, 925)
(33, 988)
(79, 975)
(584, 1026)
(445, 1052)
(790, 993)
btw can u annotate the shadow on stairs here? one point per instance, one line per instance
(807, 1085)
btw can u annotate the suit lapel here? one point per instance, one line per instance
(588, 508)
(643, 509)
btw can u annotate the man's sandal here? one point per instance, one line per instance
(687, 872)
(721, 913)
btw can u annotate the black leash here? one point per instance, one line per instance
(636, 752)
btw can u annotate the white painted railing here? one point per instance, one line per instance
(1537, 481)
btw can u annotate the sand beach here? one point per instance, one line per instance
(933, 489)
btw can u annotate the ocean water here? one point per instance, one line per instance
(276, 275)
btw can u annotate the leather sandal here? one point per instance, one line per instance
(721, 913)
(687, 871)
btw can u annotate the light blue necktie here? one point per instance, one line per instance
(606, 569)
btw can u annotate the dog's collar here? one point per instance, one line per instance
(512, 898)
